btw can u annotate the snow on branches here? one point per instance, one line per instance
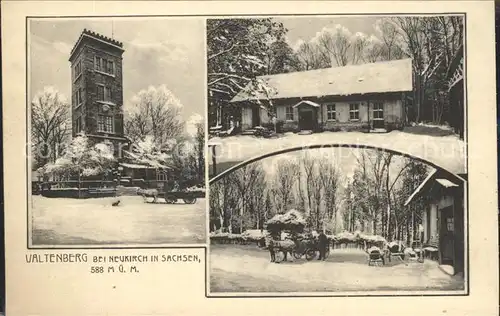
(83, 158)
(150, 153)
(50, 125)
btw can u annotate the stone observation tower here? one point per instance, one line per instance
(97, 89)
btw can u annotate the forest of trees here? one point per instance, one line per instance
(239, 50)
(371, 200)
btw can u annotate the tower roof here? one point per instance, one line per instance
(90, 35)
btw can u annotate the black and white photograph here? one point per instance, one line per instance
(337, 155)
(116, 131)
(248, 157)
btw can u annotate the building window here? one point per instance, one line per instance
(78, 69)
(98, 63)
(105, 124)
(104, 65)
(161, 176)
(103, 93)
(378, 111)
(100, 93)
(78, 125)
(111, 67)
(331, 114)
(354, 112)
(289, 113)
(449, 224)
(107, 93)
(77, 97)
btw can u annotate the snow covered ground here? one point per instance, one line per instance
(59, 221)
(445, 151)
(248, 269)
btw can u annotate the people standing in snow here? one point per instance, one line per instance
(322, 245)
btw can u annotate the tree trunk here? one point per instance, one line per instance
(407, 229)
(79, 185)
(383, 221)
(214, 162)
(388, 224)
(349, 222)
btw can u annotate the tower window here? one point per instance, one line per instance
(104, 93)
(105, 123)
(111, 67)
(98, 64)
(104, 65)
(77, 98)
(78, 69)
(107, 93)
(100, 93)
(78, 125)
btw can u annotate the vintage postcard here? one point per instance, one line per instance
(167, 158)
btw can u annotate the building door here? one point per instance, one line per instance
(378, 115)
(255, 116)
(306, 120)
(447, 235)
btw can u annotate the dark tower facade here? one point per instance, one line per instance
(97, 89)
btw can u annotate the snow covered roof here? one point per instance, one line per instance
(428, 180)
(316, 105)
(446, 183)
(379, 77)
(420, 187)
(136, 166)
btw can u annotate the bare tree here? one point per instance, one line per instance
(359, 48)
(50, 126)
(390, 38)
(155, 112)
(223, 201)
(286, 176)
(189, 154)
(426, 61)
(244, 181)
(336, 44)
(311, 190)
(311, 57)
(329, 178)
(373, 49)
(257, 197)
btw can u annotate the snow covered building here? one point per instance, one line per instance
(444, 216)
(97, 89)
(354, 97)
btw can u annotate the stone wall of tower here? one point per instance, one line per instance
(78, 110)
(95, 78)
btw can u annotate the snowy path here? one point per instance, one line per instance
(445, 151)
(58, 221)
(247, 269)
